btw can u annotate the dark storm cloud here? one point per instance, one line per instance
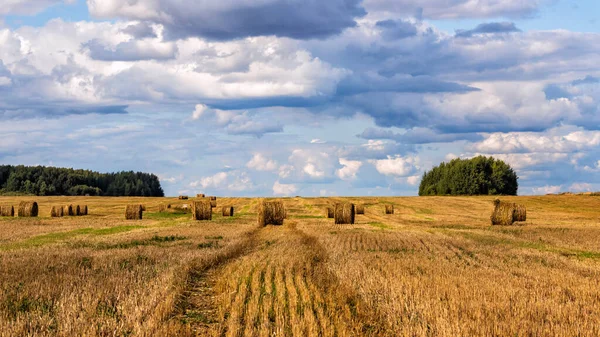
(298, 19)
(489, 28)
(397, 29)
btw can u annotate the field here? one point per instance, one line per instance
(434, 268)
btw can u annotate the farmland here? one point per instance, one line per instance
(433, 268)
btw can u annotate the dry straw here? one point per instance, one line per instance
(83, 210)
(163, 207)
(200, 195)
(360, 209)
(28, 209)
(507, 213)
(270, 213)
(228, 211)
(183, 197)
(389, 209)
(201, 210)
(68, 210)
(330, 212)
(56, 212)
(77, 210)
(344, 213)
(213, 201)
(7, 211)
(144, 208)
(134, 212)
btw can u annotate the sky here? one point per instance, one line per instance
(303, 97)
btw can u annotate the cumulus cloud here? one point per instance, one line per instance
(237, 18)
(548, 189)
(235, 122)
(284, 189)
(233, 181)
(396, 166)
(134, 50)
(261, 163)
(349, 169)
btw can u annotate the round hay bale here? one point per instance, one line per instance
(77, 210)
(389, 209)
(68, 210)
(201, 210)
(213, 203)
(200, 195)
(503, 214)
(520, 213)
(83, 210)
(360, 209)
(271, 213)
(213, 197)
(183, 197)
(134, 212)
(7, 211)
(56, 212)
(163, 207)
(330, 212)
(28, 209)
(228, 211)
(344, 213)
(144, 208)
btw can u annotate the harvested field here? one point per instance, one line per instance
(435, 267)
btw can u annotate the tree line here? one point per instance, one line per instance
(477, 176)
(41, 180)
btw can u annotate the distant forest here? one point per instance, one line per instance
(41, 180)
(477, 176)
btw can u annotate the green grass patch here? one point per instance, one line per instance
(165, 215)
(379, 225)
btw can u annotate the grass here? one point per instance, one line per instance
(435, 268)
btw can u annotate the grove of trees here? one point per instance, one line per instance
(477, 176)
(41, 180)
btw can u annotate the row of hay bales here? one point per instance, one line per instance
(507, 213)
(68, 210)
(200, 209)
(344, 213)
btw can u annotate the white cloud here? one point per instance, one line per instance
(413, 180)
(349, 169)
(580, 187)
(317, 141)
(312, 171)
(284, 189)
(261, 163)
(396, 166)
(549, 189)
(375, 145)
(214, 181)
(285, 170)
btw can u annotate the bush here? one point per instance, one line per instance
(477, 176)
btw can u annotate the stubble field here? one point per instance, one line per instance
(434, 268)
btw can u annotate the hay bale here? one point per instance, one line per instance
(201, 210)
(360, 209)
(213, 203)
(56, 212)
(163, 207)
(183, 197)
(28, 209)
(77, 210)
(389, 209)
(520, 213)
(271, 213)
(200, 195)
(228, 211)
(144, 208)
(212, 198)
(134, 212)
(344, 213)
(7, 211)
(68, 210)
(503, 214)
(83, 210)
(330, 212)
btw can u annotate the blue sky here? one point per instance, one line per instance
(270, 97)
